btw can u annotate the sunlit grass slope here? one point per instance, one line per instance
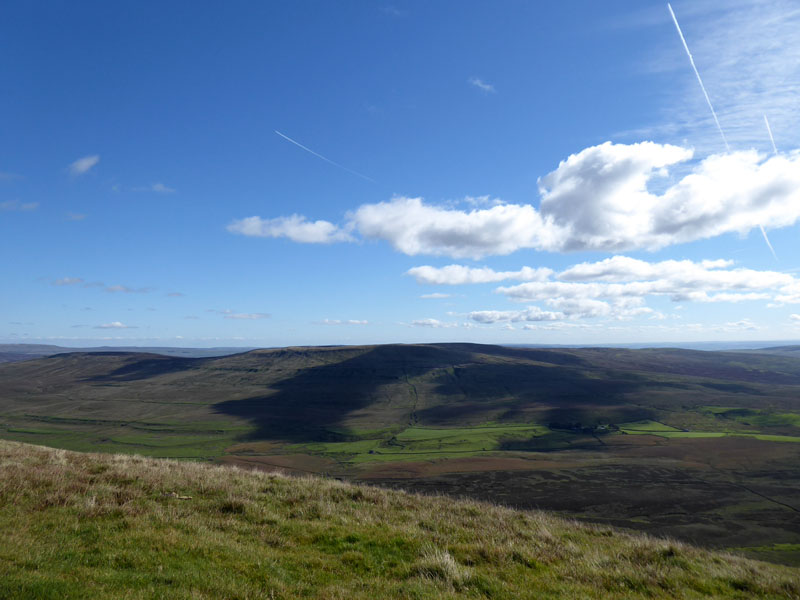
(112, 526)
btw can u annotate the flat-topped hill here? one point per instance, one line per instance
(109, 526)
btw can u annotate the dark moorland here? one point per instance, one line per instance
(700, 446)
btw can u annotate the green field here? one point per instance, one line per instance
(197, 440)
(666, 431)
(423, 443)
(755, 416)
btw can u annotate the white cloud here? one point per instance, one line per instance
(83, 165)
(795, 318)
(247, 316)
(294, 227)
(690, 283)
(680, 274)
(435, 296)
(123, 288)
(433, 323)
(599, 199)
(346, 322)
(618, 287)
(75, 216)
(68, 281)
(533, 313)
(114, 325)
(16, 205)
(161, 188)
(743, 325)
(412, 227)
(460, 274)
(481, 85)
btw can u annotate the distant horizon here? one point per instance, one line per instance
(700, 344)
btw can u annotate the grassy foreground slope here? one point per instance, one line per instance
(90, 525)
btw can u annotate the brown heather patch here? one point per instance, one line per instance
(110, 526)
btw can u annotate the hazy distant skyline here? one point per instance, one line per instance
(269, 174)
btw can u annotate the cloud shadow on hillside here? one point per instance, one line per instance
(305, 407)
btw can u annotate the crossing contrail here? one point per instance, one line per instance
(327, 160)
(766, 239)
(699, 79)
(775, 149)
(771, 139)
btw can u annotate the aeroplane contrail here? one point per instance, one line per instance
(699, 79)
(775, 149)
(771, 139)
(766, 239)
(328, 160)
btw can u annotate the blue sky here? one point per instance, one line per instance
(270, 174)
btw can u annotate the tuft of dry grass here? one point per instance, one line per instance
(108, 526)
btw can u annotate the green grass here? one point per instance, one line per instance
(788, 554)
(755, 417)
(666, 431)
(193, 440)
(421, 443)
(646, 426)
(112, 526)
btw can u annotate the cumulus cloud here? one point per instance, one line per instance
(677, 275)
(433, 323)
(600, 199)
(294, 227)
(460, 274)
(435, 296)
(533, 313)
(413, 227)
(621, 277)
(618, 288)
(114, 325)
(795, 318)
(83, 165)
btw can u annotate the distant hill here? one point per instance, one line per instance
(18, 352)
(111, 526)
(781, 351)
